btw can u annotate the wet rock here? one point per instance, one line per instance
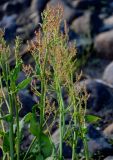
(108, 74)
(103, 45)
(87, 24)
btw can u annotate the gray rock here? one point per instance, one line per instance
(103, 45)
(107, 23)
(108, 74)
(96, 143)
(27, 102)
(108, 131)
(69, 13)
(87, 24)
(100, 94)
(109, 158)
(86, 4)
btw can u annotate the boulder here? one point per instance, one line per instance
(108, 131)
(100, 94)
(109, 158)
(96, 143)
(87, 24)
(86, 4)
(108, 74)
(103, 45)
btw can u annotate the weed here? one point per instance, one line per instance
(55, 65)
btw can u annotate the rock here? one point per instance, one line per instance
(109, 21)
(27, 102)
(103, 45)
(109, 158)
(39, 5)
(86, 4)
(67, 150)
(96, 143)
(108, 131)
(21, 77)
(8, 22)
(69, 13)
(108, 24)
(87, 24)
(100, 95)
(108, 74)
(14, 8)
(3, 1)
(1, 14)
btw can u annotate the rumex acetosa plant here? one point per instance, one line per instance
(55, 61)
(55, 64)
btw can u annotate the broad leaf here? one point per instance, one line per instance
(34, 127)
(7, 118)
(23, 84)
(91, 118)
(16, 71)
(39, 157)
(28, 117)
(46, 146)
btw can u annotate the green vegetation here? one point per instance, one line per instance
(55, 64)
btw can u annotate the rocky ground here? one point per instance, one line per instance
(90, 24)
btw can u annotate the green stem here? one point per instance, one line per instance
(33, 141)
(18, 134)
(62, 118)
(11, 136)
(74, 104)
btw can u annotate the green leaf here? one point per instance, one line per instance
(7, 118)
(1, 133)
(37, 69)
(92, 118)
(28, 117)
(16, 71)
(39, 157)
(34, 127)
(23, 84)
(6, 144)
(46, 146)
